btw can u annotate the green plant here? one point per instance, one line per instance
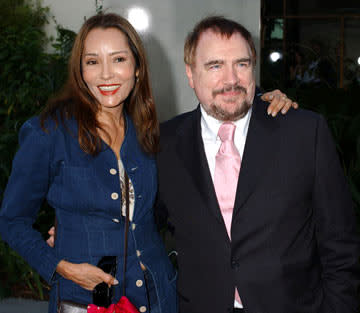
(28, 76)
(99, 6)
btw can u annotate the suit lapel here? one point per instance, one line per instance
(258, 151)
(190, 148)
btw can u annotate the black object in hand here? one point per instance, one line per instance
(102, 294)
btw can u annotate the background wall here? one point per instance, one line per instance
(170, 21)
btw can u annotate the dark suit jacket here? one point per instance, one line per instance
(294, 242)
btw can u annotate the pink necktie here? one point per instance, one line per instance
(227, 168)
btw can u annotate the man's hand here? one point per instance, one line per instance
(279, 101)
(51, 239)
(84, 274)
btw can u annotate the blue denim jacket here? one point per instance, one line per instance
(85, 192)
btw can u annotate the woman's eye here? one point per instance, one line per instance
(120, 59)
(91, 62)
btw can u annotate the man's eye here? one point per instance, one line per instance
(243, 64)
(120, 59)
(215, 66)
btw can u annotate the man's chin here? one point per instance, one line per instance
(226, 112)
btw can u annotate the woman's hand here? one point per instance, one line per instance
(51, 240)
(84, 274)
(279, 101)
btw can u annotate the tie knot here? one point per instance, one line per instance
(226, 131)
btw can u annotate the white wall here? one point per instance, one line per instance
(170, 21)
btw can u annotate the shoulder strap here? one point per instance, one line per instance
(126, 228)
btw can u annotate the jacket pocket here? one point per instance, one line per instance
(78, 189)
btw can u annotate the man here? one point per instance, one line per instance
(263, 220)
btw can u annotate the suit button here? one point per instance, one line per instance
(234, 264)
(133, 226)
(139, 283)
(138, 253)
(142, 309)
(114, 196)
(115, 220)
(113, 171)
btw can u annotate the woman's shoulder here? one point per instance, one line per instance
(33, 124)
(46, 128)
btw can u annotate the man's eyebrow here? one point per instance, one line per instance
(213, 62)
(242, 60)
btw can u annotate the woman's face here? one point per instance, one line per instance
(108, 66)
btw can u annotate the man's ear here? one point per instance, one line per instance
(189, 75)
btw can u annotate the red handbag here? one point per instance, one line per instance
(123, 306)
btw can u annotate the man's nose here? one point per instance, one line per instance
(230, 75)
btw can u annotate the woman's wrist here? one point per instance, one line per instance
(65, 269)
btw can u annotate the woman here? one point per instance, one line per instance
(74, 155)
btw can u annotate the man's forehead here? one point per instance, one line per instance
(211, 42)
(218, 33)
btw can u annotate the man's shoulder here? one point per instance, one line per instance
(300, 115)
(178, 122)
(300, 124)
(292, 117)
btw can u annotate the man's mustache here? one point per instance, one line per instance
(229, 88)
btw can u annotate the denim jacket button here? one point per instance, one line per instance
(114, 196)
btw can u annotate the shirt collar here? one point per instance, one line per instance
(210, 125)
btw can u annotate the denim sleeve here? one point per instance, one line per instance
(26, 190)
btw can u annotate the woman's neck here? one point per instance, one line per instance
(112, 129)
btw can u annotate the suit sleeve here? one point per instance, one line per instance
(26, 190)
(336, 228)
(160, 213)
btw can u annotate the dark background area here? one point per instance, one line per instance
(306, 32)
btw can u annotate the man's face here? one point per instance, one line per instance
(222, 75)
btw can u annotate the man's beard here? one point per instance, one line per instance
(220, 114)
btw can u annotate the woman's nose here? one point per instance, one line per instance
(106, 71)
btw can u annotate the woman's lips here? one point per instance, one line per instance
(108, 90)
